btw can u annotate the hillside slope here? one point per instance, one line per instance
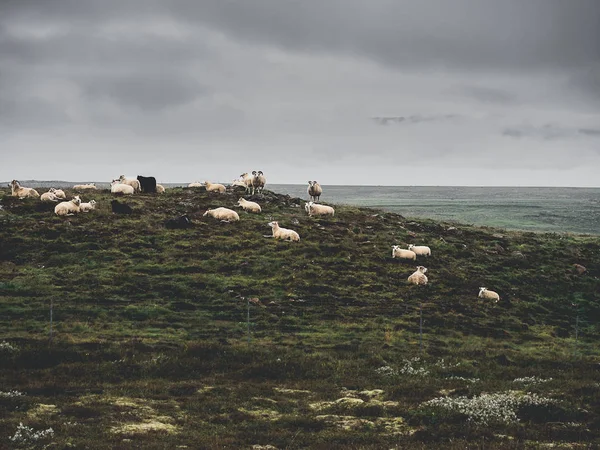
(152, 340)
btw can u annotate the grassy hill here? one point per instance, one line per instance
(156, 345)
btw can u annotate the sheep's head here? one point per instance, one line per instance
(482, 290)
(52, 190)
(410, 246)
(206, 183)
(422, 269)
(76, 200)
(92, 202)
(310, 183)
(260, 172)
(254, 172)
(273, 224)
(206, 213)
(15, 183)
(121, 177)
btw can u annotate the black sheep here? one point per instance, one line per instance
(147, 184)
(120, 208)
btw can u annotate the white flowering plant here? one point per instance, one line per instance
(26, 437)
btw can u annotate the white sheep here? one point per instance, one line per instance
(258, 181)
(83, 187)
(314, 190)
(68, 208)
(246, 178)
(420, 250)
(418, 277)
(195, 184)
(221, 213)
(401, 253)
(489, 295)
(59, 193)
(22, 192)
(249, 206)
(116, 187)
(133, 182)
(87, 207)
(214, 187)
(314, 209)
(160, 188)
(48, 197)
(283, 233)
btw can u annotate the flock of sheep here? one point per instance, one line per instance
(254, 183)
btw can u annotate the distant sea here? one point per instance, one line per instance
(544, 209)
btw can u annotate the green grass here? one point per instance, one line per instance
(150, 335)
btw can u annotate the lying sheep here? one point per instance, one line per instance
(87, 207)
(160, 188)
(249, 206)
(116, 187)
(83, 187)
(283, 233)
(489, 295)
(120, 208)
(181, 222)
(133, 182)
(418, 277)
(195, 184)
(68, 208)
(420, 250)
(225, 214)
(48, 197)
(59, 193)
(214, 187)
(314, 209)
(401, 253)
(314, 190)
(22, 192)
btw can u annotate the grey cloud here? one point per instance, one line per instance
(488, 94)
(549, 132)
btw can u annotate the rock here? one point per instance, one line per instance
(579, 269)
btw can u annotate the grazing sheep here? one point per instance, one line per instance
(116, 187)
(283, 233)
(258, 182)
(83, 187)
(147, 184)
(22, 192)
(160, 189)
(48, 197)
(68, 208)
(135, 184)
(249, 206)
(59, 193)
(214, 187)
(418, 277)
(246, 178)
(195, 184)
(314, 209)
(401, 253)
(314, 190)
(420, 250)
(87, 207)
(120, 208)
(487, 294)
(225, 214)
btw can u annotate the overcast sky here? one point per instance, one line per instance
(422, 92)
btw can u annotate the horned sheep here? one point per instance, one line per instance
(314, 209)
(116, 187)
(22, 192)
(420, 250)
(487, 294)
(68, 208)
(249, 206)
(87, 207)
(283, 233)
(402, 253)
(258, 182)
(221, 213)
(314, 190)
(214, 187)
(418, 277)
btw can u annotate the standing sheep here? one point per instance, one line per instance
(116, 187)
(418, 277)
(246, 178)
(225, 214)
(314, 209)
(401, 253)
(160, 188)
(420, 250)
(249, 206)
(68, 208)
(487, 294)
(214, 187)
(314, 190)
(22, 192)
(258, 182)
(283, 233)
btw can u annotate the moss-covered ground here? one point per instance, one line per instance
(151, 345)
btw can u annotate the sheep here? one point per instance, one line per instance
(147, 184)
(22, 192)
(246, 178)
(59, 193)
(314, 209)
(258, 182)
(420, 250)
(120, 208)
(83, 187)
(418, 277)
(314, 190)
(238, 183)
(214, 187)
(48, 197)
(195, 184)
(283, 233)
(180, 222)
(116, 187)
(135, 184)
(160, 189)
(249, 206)
(68, 208)
(87, 207)
(225, 214)
(487, 294)
(401, 253)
